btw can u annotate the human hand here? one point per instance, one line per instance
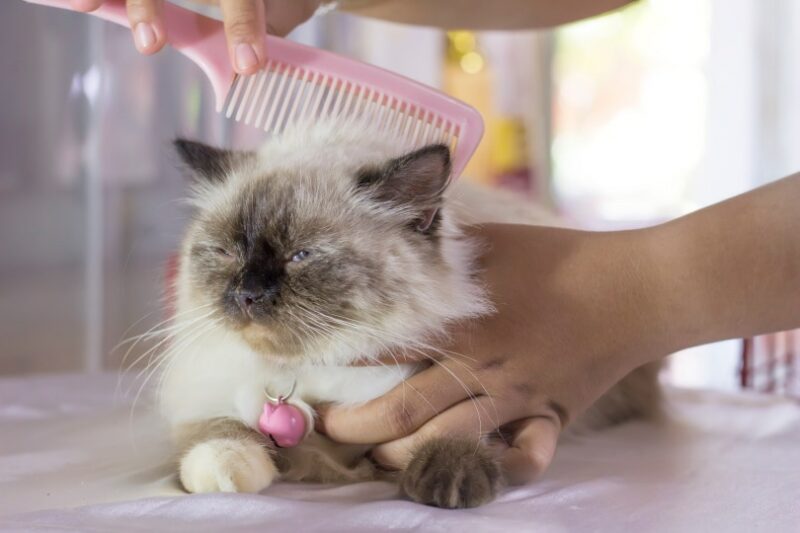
(246, 25)
(574, 315)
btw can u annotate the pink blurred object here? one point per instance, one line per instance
(301, 83)
(284, 422)
(771, 363)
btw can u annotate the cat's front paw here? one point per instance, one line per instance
(227, 465)
(451, 473)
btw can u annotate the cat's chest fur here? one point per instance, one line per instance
(222, 377)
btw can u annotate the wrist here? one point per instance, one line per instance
(731, 270)
(679, 297)
(639, 326)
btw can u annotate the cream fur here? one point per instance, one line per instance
(211, 372)
(216, 374)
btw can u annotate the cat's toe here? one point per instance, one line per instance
(226, 465)
(452, 474)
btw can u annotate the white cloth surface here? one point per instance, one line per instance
(72, 458)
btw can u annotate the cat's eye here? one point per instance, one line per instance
(222, 252)
(300, 255)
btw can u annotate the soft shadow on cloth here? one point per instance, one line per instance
(72, 457)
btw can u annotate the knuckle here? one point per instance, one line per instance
(560, 414)
(536, 462)
(141, 9)
(523, 389)
(241, 27)
(400, 420)
(493, 364)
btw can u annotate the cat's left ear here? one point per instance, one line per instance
(416, 180)
(208, 163)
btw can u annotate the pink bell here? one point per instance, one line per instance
(284, 422)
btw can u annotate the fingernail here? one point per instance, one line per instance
(246, 57)
(145, 35)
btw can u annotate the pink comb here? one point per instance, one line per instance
(302, 83)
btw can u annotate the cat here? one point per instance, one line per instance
(328, 246)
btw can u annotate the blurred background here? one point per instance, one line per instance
(620, 121)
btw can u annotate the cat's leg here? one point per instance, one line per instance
(452, 473)
(224, 455)
(637, 396)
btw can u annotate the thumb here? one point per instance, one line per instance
(532, 449)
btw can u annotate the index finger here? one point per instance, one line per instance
(246, 31)
(402, 410)
(148, 29)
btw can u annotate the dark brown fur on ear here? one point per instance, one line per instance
(452, 473)
(206, 162)
(418, 178)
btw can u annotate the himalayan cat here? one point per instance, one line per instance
(328, 246)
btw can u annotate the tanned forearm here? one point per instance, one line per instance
(733, 269)
(482, 14)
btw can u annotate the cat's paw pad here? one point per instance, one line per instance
(226, 465)
(451, 473)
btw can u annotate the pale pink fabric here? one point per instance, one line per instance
(72, 459)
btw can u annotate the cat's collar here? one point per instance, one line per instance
(282, 421)
(283, 397)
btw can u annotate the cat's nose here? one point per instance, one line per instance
(246, 299)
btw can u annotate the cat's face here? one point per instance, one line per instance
(292, 256)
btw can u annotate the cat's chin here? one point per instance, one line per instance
(272, 343)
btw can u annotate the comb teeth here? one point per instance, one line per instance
(281, 95)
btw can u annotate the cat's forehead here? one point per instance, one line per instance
(285, 189)
(299, 183)
(333, 147)
(280, 206)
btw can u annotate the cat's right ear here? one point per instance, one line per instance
(207, 163)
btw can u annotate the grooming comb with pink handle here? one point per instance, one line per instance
(301, 83)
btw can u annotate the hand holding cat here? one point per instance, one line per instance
(246, 25)
(577, 310)
(572, 319)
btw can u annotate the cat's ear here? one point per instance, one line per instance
(206, 162)
(417, 179)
